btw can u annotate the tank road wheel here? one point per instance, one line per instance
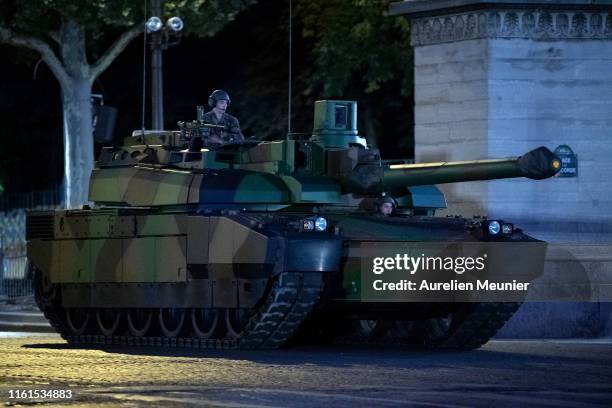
(439, 331)
(235, 321)
(108, 320)
(45, 292)
(438, 328)
(171, 321)
(205, 322)
(469, 327)
(139, 321)
(77, 320)
(371, 328)
(404, 329)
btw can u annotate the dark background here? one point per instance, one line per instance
(248, 58)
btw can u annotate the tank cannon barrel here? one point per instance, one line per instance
(537, 164)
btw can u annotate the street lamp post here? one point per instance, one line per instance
(162, 36)
(157, 91)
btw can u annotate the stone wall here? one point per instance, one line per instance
(497, 79)
(451, 113)
(521, 80)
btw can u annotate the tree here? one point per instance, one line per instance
(67, 34)
(361, 53)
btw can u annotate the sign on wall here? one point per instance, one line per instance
(569, 161)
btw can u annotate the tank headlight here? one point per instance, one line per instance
(308, 225)
(507, 229)
(153, 24)
(494, 227)
(320, 224)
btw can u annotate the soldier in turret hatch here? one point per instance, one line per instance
(219, 101)
(385, 205)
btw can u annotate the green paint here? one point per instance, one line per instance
(261, 188)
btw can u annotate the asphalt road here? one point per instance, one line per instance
(503, 373)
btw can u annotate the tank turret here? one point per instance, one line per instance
(162, 168)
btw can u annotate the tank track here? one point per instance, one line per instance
(478, 323)
(290, 299)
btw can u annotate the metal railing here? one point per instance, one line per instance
(14, 278)
(34, 199)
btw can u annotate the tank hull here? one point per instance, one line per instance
(245, 280)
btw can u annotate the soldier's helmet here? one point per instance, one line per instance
(386, 199)
(218, 95)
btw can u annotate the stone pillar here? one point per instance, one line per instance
(498, 78)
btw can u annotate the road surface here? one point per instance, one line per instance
(503, 373)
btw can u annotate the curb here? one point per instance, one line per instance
(24, 322)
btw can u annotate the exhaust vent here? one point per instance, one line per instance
(39, 226)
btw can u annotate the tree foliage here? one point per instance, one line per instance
(68, 34)
(103, 21)
(362, 53)
(345, 49)
(357, 44)
(101, 17)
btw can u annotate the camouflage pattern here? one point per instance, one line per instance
(118, 246)
(225, 231)
(230, 133)
(154, 171)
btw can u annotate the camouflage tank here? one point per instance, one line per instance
(240, 245)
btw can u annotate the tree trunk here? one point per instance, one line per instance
(78, 141)
(76, 77)
(76, 99)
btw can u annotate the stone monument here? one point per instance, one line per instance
(496, 78)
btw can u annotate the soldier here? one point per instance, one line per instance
(385, 205)
(219, 101)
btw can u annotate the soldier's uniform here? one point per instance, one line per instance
(230, 134)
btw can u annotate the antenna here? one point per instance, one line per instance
(289, 93)
(144, 72)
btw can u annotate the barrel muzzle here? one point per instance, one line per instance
(539, 164)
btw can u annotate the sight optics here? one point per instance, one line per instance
(507, 229)
(175, 24)
(494, 227)
(154, 24)
(320, 224)
(308, 225)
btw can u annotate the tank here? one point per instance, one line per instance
(254, 245)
